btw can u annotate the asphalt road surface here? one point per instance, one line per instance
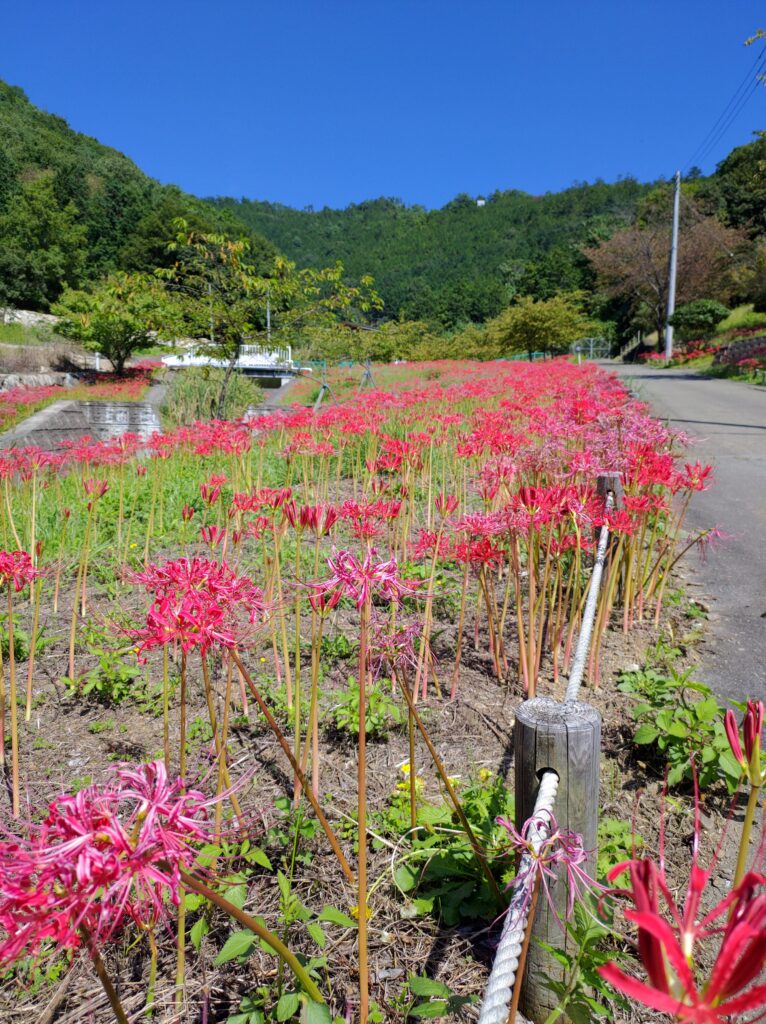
(727, 423)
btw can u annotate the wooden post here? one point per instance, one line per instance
(610, 482)
(565, 738)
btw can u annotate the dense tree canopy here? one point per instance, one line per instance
(545, 325)
(73, 212)
(458, 264)
(116, 318)
(42, 245)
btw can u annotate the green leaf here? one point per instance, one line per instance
(257, 856)
(438, 1008)
(335, 916)
(198, 931)
(317, 934)
(284, 885)
(193, 901)
(238, 944)
(428, 987)
(678, 729)
(406, 877)
(645, 734)
(236, 894)
(316, 1013)
(287, 1005)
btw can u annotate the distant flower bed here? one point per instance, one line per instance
(19, 402)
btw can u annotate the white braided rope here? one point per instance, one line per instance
(497, 997)
(586, 629)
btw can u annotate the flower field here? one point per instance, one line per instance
(258, 682)
(17, 403)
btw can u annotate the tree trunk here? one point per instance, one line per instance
(226, 380)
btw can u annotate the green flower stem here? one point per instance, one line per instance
(747, 828)
(452, 794)
(258, 929)
(331, 837)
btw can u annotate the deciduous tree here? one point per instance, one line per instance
(116, 317)
(550, 325)
(634, 263)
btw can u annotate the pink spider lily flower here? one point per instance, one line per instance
(361, 580)
(17, 569)
(560, 851)
(110, 854)
(393, 650)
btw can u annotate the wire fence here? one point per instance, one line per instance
(499, 993)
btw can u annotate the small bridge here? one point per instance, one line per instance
(273, 365)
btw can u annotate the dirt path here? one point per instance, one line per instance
(727, 423)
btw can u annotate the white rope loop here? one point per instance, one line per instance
(497, 997)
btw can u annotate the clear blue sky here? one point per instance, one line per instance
(328, 102)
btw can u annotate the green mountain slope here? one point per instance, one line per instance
(460, 262)
(71, 209)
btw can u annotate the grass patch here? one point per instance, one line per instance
(741, 317)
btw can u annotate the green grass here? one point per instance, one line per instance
(18, 334)
(742, 316)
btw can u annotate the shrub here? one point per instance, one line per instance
(193, 395)
(699, 318)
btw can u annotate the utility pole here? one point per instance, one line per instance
(268, 314)
(673, 267)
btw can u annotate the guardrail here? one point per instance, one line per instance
(556, 750)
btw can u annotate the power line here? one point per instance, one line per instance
(732, 110)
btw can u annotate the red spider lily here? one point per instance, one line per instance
(360, 580)
(323, 603)
(320, 519)
(479, 553)
(210, 493)
(198, 603)
(667, 950)
(110, 854)
(212, 535)
(667, 942)
(752, 726)
(17, 568)
(694, 478)
(446, 504)
(187, 513)
(95, 489)
(426, 545)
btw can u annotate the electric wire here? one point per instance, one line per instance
(731, 111)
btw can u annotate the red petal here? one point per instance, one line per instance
(639, 990)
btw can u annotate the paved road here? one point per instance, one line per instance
(727, 422)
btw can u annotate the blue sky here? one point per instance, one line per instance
(326, 103)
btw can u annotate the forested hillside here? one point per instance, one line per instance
(72, 210)
(459, 263)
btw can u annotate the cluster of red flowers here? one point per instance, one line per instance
(198, 603)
